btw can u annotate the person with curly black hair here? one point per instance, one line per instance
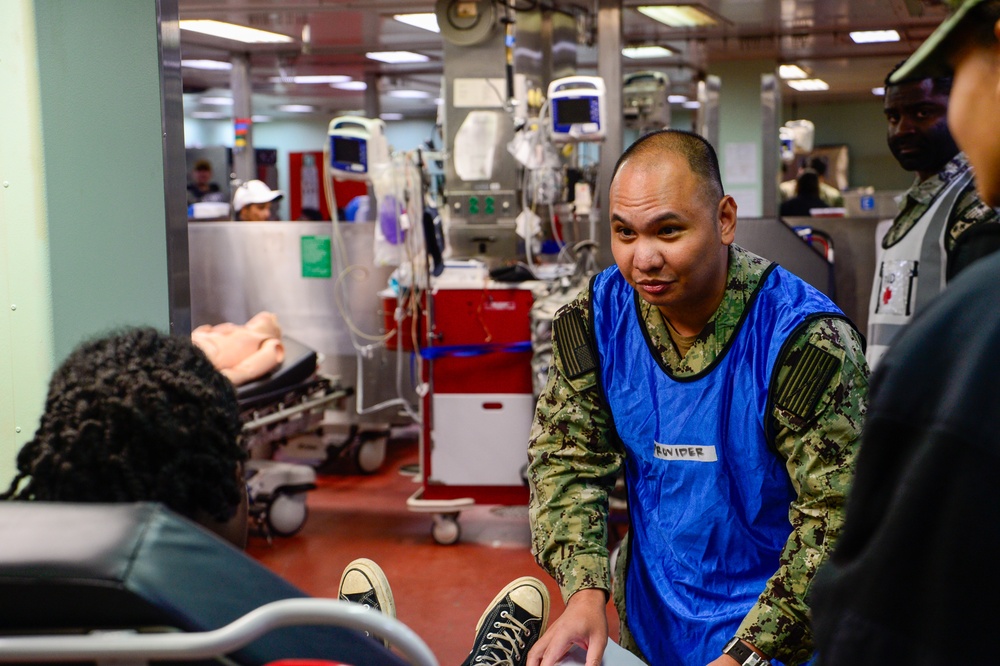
(134, 416)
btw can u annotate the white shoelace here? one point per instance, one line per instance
(513, 632)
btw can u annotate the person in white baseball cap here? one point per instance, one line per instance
(252, 201)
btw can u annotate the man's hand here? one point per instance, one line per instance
(583, 623)
(724, 660)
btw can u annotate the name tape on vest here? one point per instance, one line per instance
(689, 452)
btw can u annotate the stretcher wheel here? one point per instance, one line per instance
(445, 528)
(370, 454)
(286, 513)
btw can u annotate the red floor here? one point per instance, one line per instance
(440, 591)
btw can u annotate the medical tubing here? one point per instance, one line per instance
(339, 257)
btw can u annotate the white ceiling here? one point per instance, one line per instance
(810, 33)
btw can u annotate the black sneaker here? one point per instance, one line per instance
(363, 582)
(512, 623)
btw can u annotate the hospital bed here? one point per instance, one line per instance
(289, 401)
(135, 583)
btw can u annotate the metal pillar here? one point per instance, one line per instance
(244, 168)
(373, 105)
(708, 111)
(609, 68)
(770, 108)
(174, 167)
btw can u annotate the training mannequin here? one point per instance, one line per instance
(242, 352)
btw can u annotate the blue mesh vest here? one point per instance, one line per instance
(708, 496)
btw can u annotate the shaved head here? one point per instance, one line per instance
(697, 152)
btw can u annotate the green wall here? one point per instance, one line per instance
(82, 221)
(741, 150)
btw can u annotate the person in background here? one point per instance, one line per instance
(731, 392)
(201, 188)
(806, 196)
(940, 210)
(911, 579)
(252, 201)
(831, 196)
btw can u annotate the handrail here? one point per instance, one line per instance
(199, 645)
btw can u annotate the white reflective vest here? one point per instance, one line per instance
(911, 271)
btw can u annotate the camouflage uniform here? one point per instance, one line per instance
(575, 456)
(969, 209)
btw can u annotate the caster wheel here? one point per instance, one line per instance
(445, 529)
(286, 514)
(370, 454)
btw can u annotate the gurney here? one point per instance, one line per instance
(137, 583)
(288, 402)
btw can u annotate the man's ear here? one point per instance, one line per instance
(727, 219)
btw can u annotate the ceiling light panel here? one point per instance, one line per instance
(638, 52)
(409, 94)
(350, 85)
(808, 85)
(238, 33)
(210, 65)
(427, 21)
(792, 72)
(679, 16)
(296, 108)
(874, 36)
(396, 57)
(311, 79)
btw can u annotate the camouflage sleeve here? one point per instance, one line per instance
(820, 397)
(573, 458)
(969, 212)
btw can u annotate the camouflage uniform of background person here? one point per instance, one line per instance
(816, 416)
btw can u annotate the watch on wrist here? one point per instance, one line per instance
(742, 653)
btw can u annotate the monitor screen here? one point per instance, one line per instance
(573, 111)
(346, 151)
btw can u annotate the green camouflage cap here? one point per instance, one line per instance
(930, 60)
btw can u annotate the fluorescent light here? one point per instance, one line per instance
(394, 57)
(389, 115)
(693, 104)
(679, 16)
(216, 101)
(676, 99)
(296, 108)
(306, 80)
(792, 72)
(808, 85)
(209, 115)
(426, 21)
(260, 119)
(215, 65)
(350, 85)
(239, 33)
(646, 52)
(409, 94)
(873, 36)
(880, 91)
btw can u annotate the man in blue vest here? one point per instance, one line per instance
(731, 392)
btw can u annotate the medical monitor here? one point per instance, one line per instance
(357, 145)
(576, 107)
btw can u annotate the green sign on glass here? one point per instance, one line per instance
(316, 257)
